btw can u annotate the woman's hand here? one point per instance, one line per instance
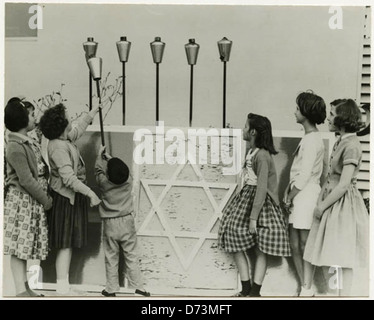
(253, 226)
(94, 199)
(318, 212)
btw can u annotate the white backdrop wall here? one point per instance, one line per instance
(277, 52)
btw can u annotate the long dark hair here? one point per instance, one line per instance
(264, 137)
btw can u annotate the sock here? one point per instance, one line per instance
(63, 286)
(255, 291)
(246, 287)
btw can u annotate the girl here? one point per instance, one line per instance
(339, 234)
(68, 218)
(26, 198)
(253, 217)
(304, 187)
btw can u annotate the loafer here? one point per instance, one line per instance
(29, 293)
(143, 293)
(306, 292)
(107, 294)
(240, 294)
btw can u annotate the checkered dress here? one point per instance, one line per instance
(25, 223)
(272, 236)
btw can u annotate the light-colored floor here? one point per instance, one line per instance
(279, 282)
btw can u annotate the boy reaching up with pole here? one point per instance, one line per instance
(119, 234)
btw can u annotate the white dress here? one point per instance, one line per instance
(305, 175)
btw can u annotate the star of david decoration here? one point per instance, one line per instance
(168, 231)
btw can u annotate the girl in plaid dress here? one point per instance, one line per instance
(253, 217)
(26, 198)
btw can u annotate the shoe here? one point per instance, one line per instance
(71, 292)
(143, 293)
(107, 294)
(254, 295)
(240, 294)
(27, 293)
(306, 292)
(31, 292)
(34, 294)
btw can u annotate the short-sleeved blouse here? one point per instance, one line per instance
(347, 150)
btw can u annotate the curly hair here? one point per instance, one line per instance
(16, 114)
(53, 122)
(264, 137)
(312, 107)
(348, 115)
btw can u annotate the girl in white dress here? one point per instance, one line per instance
(302, 193)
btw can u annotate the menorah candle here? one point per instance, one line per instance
(192, 51)
(157, 48)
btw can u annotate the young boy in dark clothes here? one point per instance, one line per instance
(116, 209)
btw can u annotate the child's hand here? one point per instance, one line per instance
(94, 199)
(318, 212)
(49, 204)
(94, 110)
(253, 226)
(102, 150)
(286, 206)
(105, 155)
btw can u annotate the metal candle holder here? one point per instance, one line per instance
(123, 47)
(224, 47)
(95, 65)
(90, 48)
(157, 48)
(192, 51)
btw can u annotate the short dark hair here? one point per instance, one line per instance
(53, 122)
(312, 107)
(14, 99)
(348, 115)
(264, 137)
(118, 171)
(16, 114)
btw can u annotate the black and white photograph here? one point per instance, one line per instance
(196, 150)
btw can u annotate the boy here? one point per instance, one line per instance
(116, 208)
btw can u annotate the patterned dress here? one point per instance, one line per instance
(233, 234)
(25, 223)
(341, 237)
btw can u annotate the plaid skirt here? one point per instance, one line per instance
(25, 226)
(272, 233)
